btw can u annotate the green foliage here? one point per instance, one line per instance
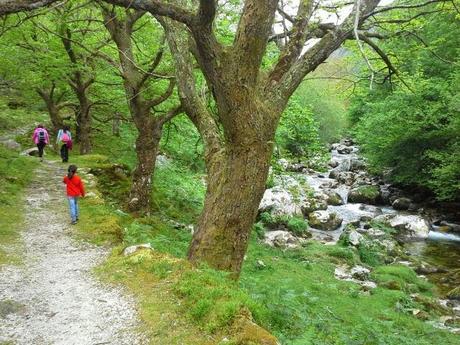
(297, 225)
(297, 134)
(400, 278)
(411, 130)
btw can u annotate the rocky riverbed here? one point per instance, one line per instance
(347, 204)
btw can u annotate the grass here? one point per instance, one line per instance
(15, 173)
(293, 294)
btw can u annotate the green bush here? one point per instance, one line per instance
(297, 225)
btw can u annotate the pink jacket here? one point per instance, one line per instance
(35, 136)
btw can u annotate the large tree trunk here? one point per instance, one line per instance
(235, 186)
(147, 146)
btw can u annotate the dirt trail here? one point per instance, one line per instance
(53, 298)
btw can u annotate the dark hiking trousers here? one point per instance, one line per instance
(65, 153)
(41, 145)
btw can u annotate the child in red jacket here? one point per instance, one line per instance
(75, 189)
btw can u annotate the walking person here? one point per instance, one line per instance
(75, 189)
(64, 138)
(41, 139)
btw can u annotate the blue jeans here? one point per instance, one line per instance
(73, 207)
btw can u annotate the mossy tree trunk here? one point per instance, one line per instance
(149, 123)
(249, 102)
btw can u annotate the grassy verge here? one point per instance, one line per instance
(15, 173)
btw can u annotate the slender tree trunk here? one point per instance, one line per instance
(83, 117)
(52, 107)
(147, 147)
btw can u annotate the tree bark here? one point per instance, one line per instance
(84, 121)
(52, 107)
(147, 147)
(234, 190)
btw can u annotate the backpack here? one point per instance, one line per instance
(41, 136)
(65, 137)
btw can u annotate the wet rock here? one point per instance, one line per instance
(333, 198)
(410, 227)
(451, 227)
(342, 149)
(401, 204)
(281, 239)
(364, 194)
(132, 249)
(296, 167)
(284, 163)
(312, 205)
(357, 164)
(425, 268)
(360, 272)
(351, 236)
(347, 142)
(346, 177)
(279, 202)
(324, 220)
(333, 163)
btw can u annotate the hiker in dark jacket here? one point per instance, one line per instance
(41, 139)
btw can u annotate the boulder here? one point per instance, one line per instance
(364, 194)
(324, 220)
(312, 205)
(30, 152)
(281, 239)
(132, 249)
(360, 272)
(357, 164)
(333, 198)
(284, 163)
(333, 163)
(345, 150)
(279, 202)
(410, 227)
(347, 142)
(401, 204)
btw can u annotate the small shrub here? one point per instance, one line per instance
(297, 225)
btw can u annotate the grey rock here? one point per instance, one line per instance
(324, 220)
(132, 249)
(401, 204)
(360, 272)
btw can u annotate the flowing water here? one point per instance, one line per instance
(441, 249)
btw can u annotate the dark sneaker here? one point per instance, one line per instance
(73, 222)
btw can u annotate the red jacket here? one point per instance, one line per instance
(75, 186)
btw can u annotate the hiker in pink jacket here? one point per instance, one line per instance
(41, 139)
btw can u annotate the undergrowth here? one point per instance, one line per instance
(15, 174)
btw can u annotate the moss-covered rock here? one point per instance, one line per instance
(246, 332)
(364, 194)
(324, 220)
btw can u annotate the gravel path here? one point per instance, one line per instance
(53, 298)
